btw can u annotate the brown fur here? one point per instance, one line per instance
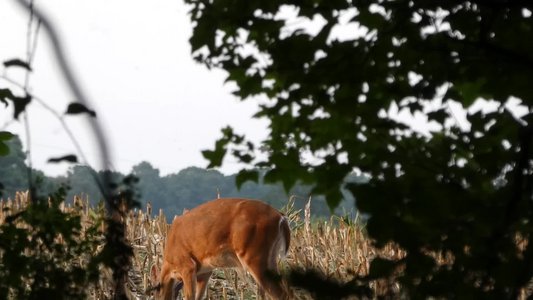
(222, 233)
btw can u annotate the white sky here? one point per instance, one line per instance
(156, 104)
(133, 60)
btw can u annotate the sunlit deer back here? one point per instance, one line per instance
(222, 233)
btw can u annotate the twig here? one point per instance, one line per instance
(30, 51)
(114, 236)
(75, 88)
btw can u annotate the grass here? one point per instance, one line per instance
(337, 248)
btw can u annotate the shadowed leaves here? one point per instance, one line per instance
(327, 288)
(19, 103)
(17, 63)
(246, 175)
(330, 101)
(78, 108)
(5, 94)
(71, 158)
(4, 137)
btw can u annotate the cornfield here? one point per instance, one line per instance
(337, 248)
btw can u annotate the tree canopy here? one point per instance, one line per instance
(463, 190)
(172, 193)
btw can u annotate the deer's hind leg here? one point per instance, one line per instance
(201, 285)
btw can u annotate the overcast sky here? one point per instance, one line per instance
(156, 104)
(133, 60)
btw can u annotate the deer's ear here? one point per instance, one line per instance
(185, 211)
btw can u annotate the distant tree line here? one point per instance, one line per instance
(171, 193)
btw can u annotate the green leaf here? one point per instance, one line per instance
(333, 199)
(67, 158)
(214, 157)
(5, 94)
(380, 268)
(4, 149)
(470, 91)
(433, 195)
(369, 19)
(246, 175)
(439, 116)
(17, 63)
(20, 104)
(5, 136)
(203, 32)
(78, 108)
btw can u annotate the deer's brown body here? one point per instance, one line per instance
(239, 233)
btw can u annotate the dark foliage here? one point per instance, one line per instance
(171, 193)
(44, 254)
(462, 191)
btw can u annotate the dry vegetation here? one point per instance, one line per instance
(337, 248)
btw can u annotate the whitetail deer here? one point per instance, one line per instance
(223, 233)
